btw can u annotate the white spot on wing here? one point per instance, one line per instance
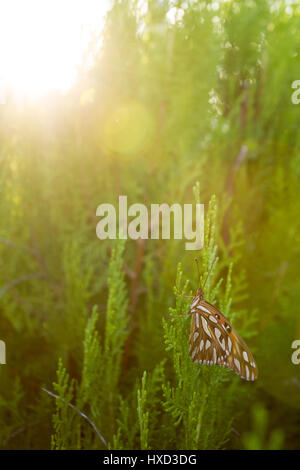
(201, 344)
(215, 356)
(212, 318)
(196, 334)
(218, 335)
(237, 363)
(245, 356)
(197, 320)
(204, 309)
(205, 326)
(208, 343)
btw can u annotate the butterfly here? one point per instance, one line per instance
(213, 340)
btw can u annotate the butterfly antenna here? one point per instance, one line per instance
(208, 273)
(198, 270)
(199, 276)
(206, 279)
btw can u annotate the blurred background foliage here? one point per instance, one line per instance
(179, 92)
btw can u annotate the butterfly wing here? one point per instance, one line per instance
(241, 360)
(214, 341)
(207, 340)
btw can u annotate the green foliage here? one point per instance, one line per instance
(257, 438)
(143, 415)
(199, 409)
(62, 421)
(98, 390)
(187, 96)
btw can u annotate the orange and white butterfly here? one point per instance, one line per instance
(214, 341)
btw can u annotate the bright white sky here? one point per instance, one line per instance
(42, 42)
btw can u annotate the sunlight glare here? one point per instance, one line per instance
(42, 43)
